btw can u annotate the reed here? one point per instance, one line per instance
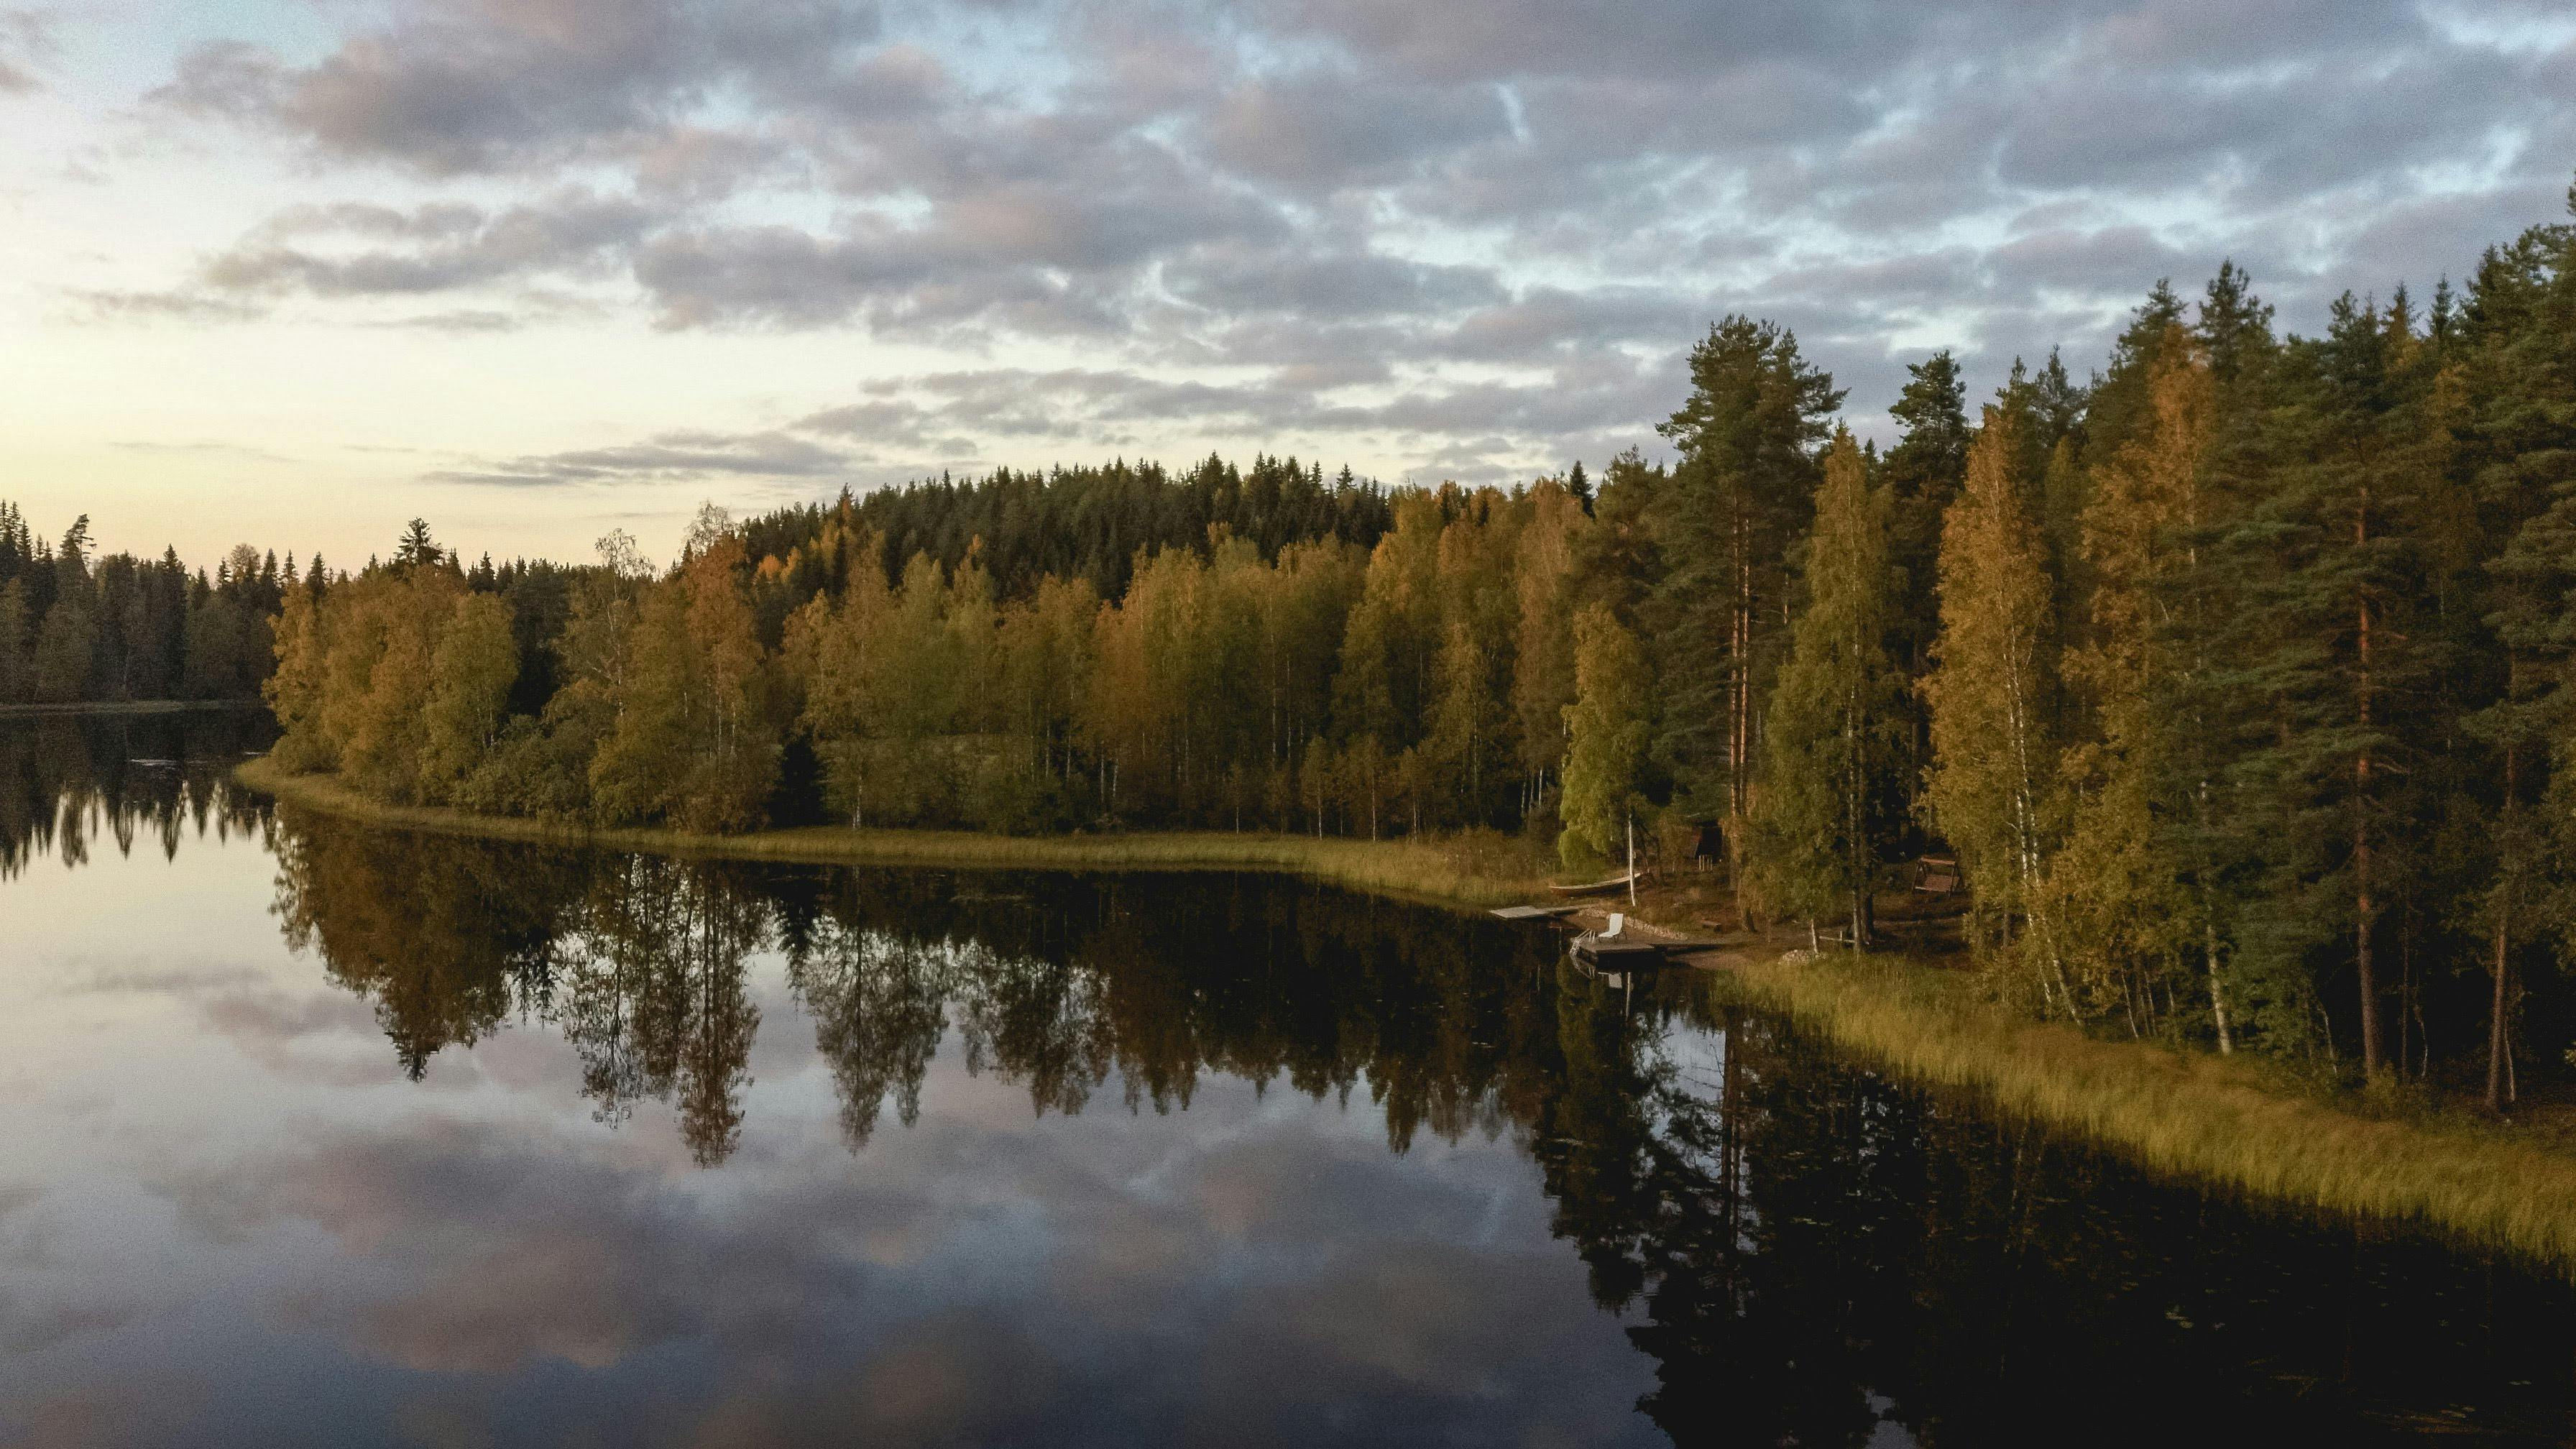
(1474, 870)
(2234, 1123)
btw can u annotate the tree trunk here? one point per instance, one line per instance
(2217, 995)
(2367, 980)
(2496, 1021)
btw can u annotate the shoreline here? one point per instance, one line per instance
(2229, 1125)
(1425, 874)
(2241, 1124)
(126, 706)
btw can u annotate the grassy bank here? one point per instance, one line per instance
(2236, 1123)
(127, 706)
(1467, 872)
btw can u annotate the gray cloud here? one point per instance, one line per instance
(667, 457)
(1332, 197)
(432, 249)
(177, 305)
(1330, 130)
(27, 46)
(487, 85)
(1233, 281)
(1592, 404)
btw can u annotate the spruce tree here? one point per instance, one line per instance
(1831, 796)
(1922, 474)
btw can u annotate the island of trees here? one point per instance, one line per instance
(2236, 676)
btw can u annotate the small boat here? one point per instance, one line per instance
(1533, 913)
(1611, 886)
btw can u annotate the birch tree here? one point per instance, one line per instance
(1994, 751)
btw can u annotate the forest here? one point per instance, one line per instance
(2235, 676)
(79, 627)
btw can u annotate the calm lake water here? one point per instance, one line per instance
(312, 1134)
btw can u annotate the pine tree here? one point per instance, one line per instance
(1740, 496)
(2335, 642)
(2511, 411)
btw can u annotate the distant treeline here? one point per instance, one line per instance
(76, 626)
(2237, 676)
(1089, 523)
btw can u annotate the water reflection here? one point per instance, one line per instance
(1058, 985)
(987, 1158)
(68, 782)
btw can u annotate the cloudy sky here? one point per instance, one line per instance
(295, 270)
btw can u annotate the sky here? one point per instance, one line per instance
(293, 271)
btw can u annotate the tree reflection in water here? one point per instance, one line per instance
(66, 780)
(1809, 1252)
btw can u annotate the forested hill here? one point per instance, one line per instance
(1087, 522)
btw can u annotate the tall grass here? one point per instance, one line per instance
(2234, 1123)
(1479, 869)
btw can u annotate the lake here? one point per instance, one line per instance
(319, 1134)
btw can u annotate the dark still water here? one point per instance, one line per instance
(311, 1134)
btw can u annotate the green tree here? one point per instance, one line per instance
(1834, 747)
(1922, 474)
(1606, 736)
(17, 666)
(416, 547)
(1740, 496)
(2342, 640)
(63, 650)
